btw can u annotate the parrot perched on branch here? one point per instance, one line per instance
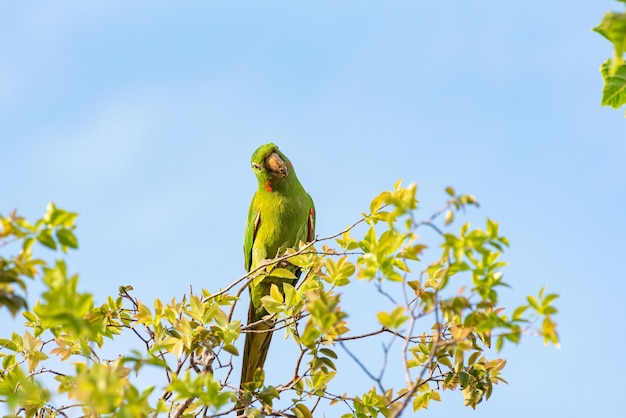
(281, 215)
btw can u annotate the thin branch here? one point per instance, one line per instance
(46, 370)
(317, 401)
(413, 338)
(357, 337)
(362, 366)
(285, 322)
(219, 414)
(384, 365)
(379, 287)
(182, 407)
(418, 382)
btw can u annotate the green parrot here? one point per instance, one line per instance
(281, 215)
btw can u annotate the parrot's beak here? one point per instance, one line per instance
(276, 165)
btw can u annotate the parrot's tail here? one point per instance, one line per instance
(255, 349)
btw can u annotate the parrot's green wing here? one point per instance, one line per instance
(252, 227)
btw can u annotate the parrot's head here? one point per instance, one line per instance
(270, 165)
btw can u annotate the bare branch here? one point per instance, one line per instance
(362, 366)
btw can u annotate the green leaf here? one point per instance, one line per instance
(328, 352)
(464, 378)
(377, 202)
(283, 273)
(434, 395)
(614, 89)
(9, 277)
(519, 311)
(549, 298)
(339, 272)
(231, 349)
(385, 319)
(27, 245)
(45, 238)
(613, 28)
(291, 294)
(8, 344)
(275, 294)
(415, 285)
(67, 238)
(549, 310)
(445, 360)
(548, 330)
(394, 319)
(449, 217)
(473, 357)
(50, 209)
(301, 411)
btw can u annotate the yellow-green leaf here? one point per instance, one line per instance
(283, 273)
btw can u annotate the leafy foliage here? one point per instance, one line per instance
(444, 315)
(613, 70)
(54, 230)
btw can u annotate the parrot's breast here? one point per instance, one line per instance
(283, 225)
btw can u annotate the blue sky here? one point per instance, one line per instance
(142, 116)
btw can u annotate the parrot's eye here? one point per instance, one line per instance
(256, 166)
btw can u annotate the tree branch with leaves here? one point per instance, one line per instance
(613, 70)
(441, 318)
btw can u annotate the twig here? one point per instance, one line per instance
(413, 387)
(182, 407)
(379, 287)
(362, 366)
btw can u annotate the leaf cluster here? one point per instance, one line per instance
(441, 317)
(54, 230)
(613, 70)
